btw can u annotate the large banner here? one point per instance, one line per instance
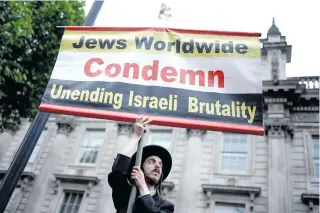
(181, 78)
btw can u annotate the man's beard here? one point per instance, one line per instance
(152, 181)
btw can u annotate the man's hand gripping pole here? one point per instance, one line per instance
(137, 163)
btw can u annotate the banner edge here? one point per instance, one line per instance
(157, 120)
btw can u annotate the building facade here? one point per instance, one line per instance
(212, 171)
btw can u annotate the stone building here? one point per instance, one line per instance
(212, 171)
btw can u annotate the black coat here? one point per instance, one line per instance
(121, 189)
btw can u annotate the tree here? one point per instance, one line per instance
(29, 45)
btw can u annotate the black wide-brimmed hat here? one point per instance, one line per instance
(155, 150)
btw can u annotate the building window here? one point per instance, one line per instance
(161, 137)
(71, 202)
(315, 149)
(36, 149)
(229, 208)
(234, 153)
(90, 146)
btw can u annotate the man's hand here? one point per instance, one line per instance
(140, 126)
(138, 177)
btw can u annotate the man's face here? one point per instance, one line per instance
(152, 168)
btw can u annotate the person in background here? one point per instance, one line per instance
(155, 167)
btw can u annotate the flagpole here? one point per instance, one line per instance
(133, 193)
(21, 158)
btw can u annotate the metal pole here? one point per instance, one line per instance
(137, 163)
(93, 13)
(29, 141)
(21, 158)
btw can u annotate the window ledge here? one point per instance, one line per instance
(251, 192)
(241, 190)
(310, 200)
(314, 180)
(242, 174)
(75, 179)
(25, 178)
(81, 170)
(30, 176)
(167, 186)
(83, 165)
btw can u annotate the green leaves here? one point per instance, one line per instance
(29, 45)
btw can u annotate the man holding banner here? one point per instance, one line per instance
(195, 79)
(156, 164)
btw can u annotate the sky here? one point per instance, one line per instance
(297, 21)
